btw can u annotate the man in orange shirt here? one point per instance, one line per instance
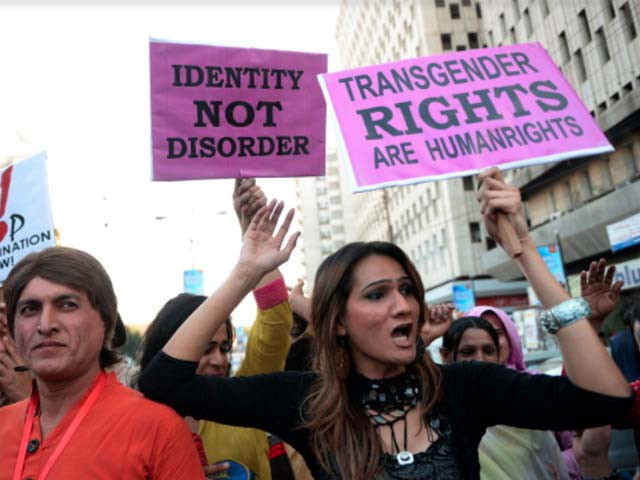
(80, 422)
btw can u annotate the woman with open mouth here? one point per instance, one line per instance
(376, 406)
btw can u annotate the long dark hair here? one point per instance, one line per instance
(342, 436)
(170, 317)
(451, 339)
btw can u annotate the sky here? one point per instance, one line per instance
(76, 83)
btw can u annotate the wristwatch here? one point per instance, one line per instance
(564, 314)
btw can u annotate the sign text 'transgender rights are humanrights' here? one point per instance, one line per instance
(455, 114)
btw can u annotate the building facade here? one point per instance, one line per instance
(438, 223)
(325, 216)
(597, 47)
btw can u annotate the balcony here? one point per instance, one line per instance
(582, 231)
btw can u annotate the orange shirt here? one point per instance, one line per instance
(124, 436)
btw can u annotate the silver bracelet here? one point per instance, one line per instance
(564, 314)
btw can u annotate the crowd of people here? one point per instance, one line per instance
(338, 385)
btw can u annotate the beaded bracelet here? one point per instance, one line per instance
(564, 314)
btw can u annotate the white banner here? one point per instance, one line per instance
(625, 233)
(25, 212)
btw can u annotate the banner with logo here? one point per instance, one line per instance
(456, 114)
(625, 233)
(26, 224)
(193, 281)
(222, 112)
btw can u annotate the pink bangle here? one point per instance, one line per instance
(271, 294)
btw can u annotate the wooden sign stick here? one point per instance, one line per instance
(511, 242)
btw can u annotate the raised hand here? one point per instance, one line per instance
(438, 322)
(598, 288)
(262, 250)
(590, 449)
(248, 198)
(212, 470)
(15, 385)
(300, 304)
(497, 196)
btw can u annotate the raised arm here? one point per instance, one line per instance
(262, 251)
(269, 338)
(587, 363)
(248, 199)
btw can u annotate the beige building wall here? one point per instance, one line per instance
(438, 223)
(596, 44)
(325, 216)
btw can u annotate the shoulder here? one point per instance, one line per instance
(474, 376)
(13, 414)
(139, 409)
(291, 379)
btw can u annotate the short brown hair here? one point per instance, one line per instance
(73, 268)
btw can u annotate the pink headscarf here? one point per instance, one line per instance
(516, 357)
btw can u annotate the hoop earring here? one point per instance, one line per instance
(343, 360)
(343, 364)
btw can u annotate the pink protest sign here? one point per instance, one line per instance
(455, 114)
(221, 112)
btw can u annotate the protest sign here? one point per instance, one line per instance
(456, 114)
(222, 112)
(25, 212)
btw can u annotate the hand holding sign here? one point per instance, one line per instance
(501, 207)
(248, 198)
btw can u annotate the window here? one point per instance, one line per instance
(439, 3)
(581, 70)
(503, 25)
(466, 3)
(491, 243)
(629, 161)
(445, 38)
(478, 10)
(460, 48)
(602, 107)
(603, 49)
(627, 20)
(584, 190)
(454, 9)
(516, 10)
(473, 40)
(474, 230)
(467, 183)
(564, 48)
(527, 23)
(609, 10)
(544, 8)
(583, 25)
(606, 175)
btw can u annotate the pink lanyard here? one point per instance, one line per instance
(31, 413)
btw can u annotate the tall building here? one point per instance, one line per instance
(438, 223)
(325, 217)
(597, 47)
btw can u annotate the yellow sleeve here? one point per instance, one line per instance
(269, 341)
